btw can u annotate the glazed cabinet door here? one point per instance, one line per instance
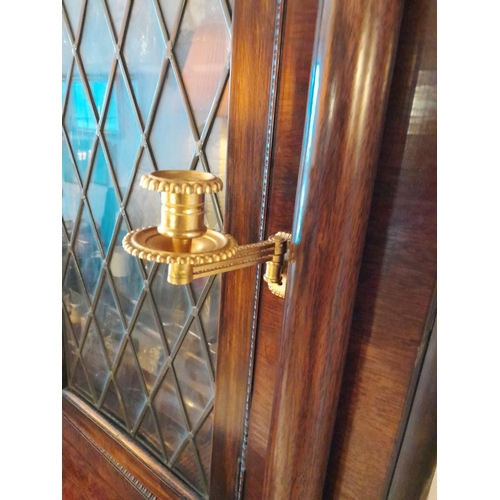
(145, 87)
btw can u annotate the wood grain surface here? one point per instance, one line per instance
(398, 273)
(295, 70)
(86, 474)
(354, 52)
(251, 65)
(128, 457)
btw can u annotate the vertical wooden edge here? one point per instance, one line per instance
(298, 21)
(126, 455)
(352, 64)
(246, 181)
(417, 453)
(412, 389)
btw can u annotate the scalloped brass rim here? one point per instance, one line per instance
(166, 257)
(181, 182)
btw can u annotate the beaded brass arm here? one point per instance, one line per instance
(190, 249)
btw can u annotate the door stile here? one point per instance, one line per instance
(254, 61)
(350, 80)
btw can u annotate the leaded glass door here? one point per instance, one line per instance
(144, 87)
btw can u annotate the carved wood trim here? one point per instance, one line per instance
(124, 452)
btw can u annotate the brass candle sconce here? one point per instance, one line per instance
(190, 249)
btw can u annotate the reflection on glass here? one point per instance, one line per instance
(80, 124)
(94, 360)
(193, 374)
(74, 300)
(170, 11)
(73, 9)
(172, 303)
(117, 11)
(169, 412)
(129, 383)
(126, 275)
(96, 50)
(147, 343)
(122, 133)
(87, 253)
(188, 465)
(102, 199)
(209, 317)
(156, 338)
(171, 137)
(203, 441)
(148, 433)
(144, 50)
(70, 191)
(109, 321)
(111, 404)
(202, 50)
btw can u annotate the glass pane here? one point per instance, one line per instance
(209, 315)
(117, 11)
(147, 342)
(112, 404)
(203, 442)
(71, 191)
(94, 360)
(80, 124)
(202, 51)
(128, 332)
(168, 409)
(102, 199)
(126, 275)
(148, 433)
(144, 50)
(194, 376)
(87, 253)
(123, 137)
(130, 386)
(189, 466)
(171, 137)
(96, 51)
(110, 323)
(170, 12)
(172, 303)
(74, 299)
(74, 10)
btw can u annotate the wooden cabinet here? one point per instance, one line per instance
(331, 135)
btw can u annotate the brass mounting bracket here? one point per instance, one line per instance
(190, 249)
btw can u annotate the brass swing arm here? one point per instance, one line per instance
(190, 249)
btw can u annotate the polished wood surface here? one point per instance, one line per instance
(87, 474)
(354, 52)
(251, 66)
(126, 456)
(416, 462)
(294, 72)
(398, 273)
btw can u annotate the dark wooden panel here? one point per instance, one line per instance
(87, 474)
(354, 50)
(295, 70)
(251, 65)
(125, 453)
(416, 462)
(398, 272)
